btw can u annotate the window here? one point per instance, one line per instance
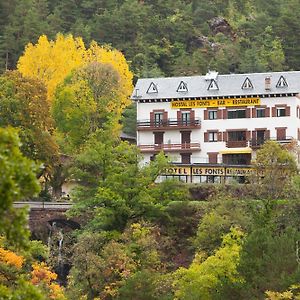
(213, 136)
(158, 138)
(260, 112)
(212, 114)
(158, 118)
(237, 135)
(280, 112)
(237, 114)
(186, 118)
(185, 158)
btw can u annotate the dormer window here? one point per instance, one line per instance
(152, 89)
(182, 87)
(281, 83)
(247, 84)
(213, 86)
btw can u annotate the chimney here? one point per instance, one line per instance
(268, 83)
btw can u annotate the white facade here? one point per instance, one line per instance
(186, 118)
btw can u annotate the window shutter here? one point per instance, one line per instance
(212, 157)
(273, 111)
(267, 112)
(248, 135)
(205, 136)
(179, 115)
(225, 113)
(219, 136)
(165, 116)
(151, 118)
(192, 115)
(206, 114)
(219, 114)
(248, 112)
(288, 111)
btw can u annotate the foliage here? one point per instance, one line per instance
(203, 279)
(292, 293)
(52, 61)
(277, 166)
(24, 106)
(163, 37)
(42, 276)
(103, 262)
(15, 282)
(117, 189)
(88, 99)
(221, 215)
(17, 182)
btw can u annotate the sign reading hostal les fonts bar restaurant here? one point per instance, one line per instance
(216, 103)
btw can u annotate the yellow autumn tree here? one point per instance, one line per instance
(42, 275)
(52, 61)
(10, 258)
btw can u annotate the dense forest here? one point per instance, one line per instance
(164, 37)
(67, 71)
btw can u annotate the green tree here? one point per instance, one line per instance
(205, 276)
(86, 101)
(23, 105)
(221, 215)
(275, 168)
(17, 182)
(115, 189)
(26, 22)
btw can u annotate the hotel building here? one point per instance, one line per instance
(211, 126)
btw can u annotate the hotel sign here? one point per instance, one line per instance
(209, 171)
(216, 103)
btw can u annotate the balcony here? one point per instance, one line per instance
(185, 147)
(168, 124)
(257, 143)
(237, 144)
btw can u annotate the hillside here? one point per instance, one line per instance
(164, 37)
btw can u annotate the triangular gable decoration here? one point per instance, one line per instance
(152, 89)
(247, 84)
(213, 85)
(281, 82)
(182, 87)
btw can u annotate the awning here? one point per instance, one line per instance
(236, 151)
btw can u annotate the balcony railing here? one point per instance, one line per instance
(168, 124)
(237, 144)
(256, 143)
(170, 147)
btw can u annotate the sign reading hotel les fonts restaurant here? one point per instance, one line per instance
(207, 171)
(216, 103)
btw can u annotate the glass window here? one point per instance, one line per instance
(260, 112)
(186, 117)
(158, 118)
(280, 112)
(212, 136)
(212, 114)
(237, 135)
(237, 114)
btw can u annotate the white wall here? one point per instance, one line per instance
(174, 136)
